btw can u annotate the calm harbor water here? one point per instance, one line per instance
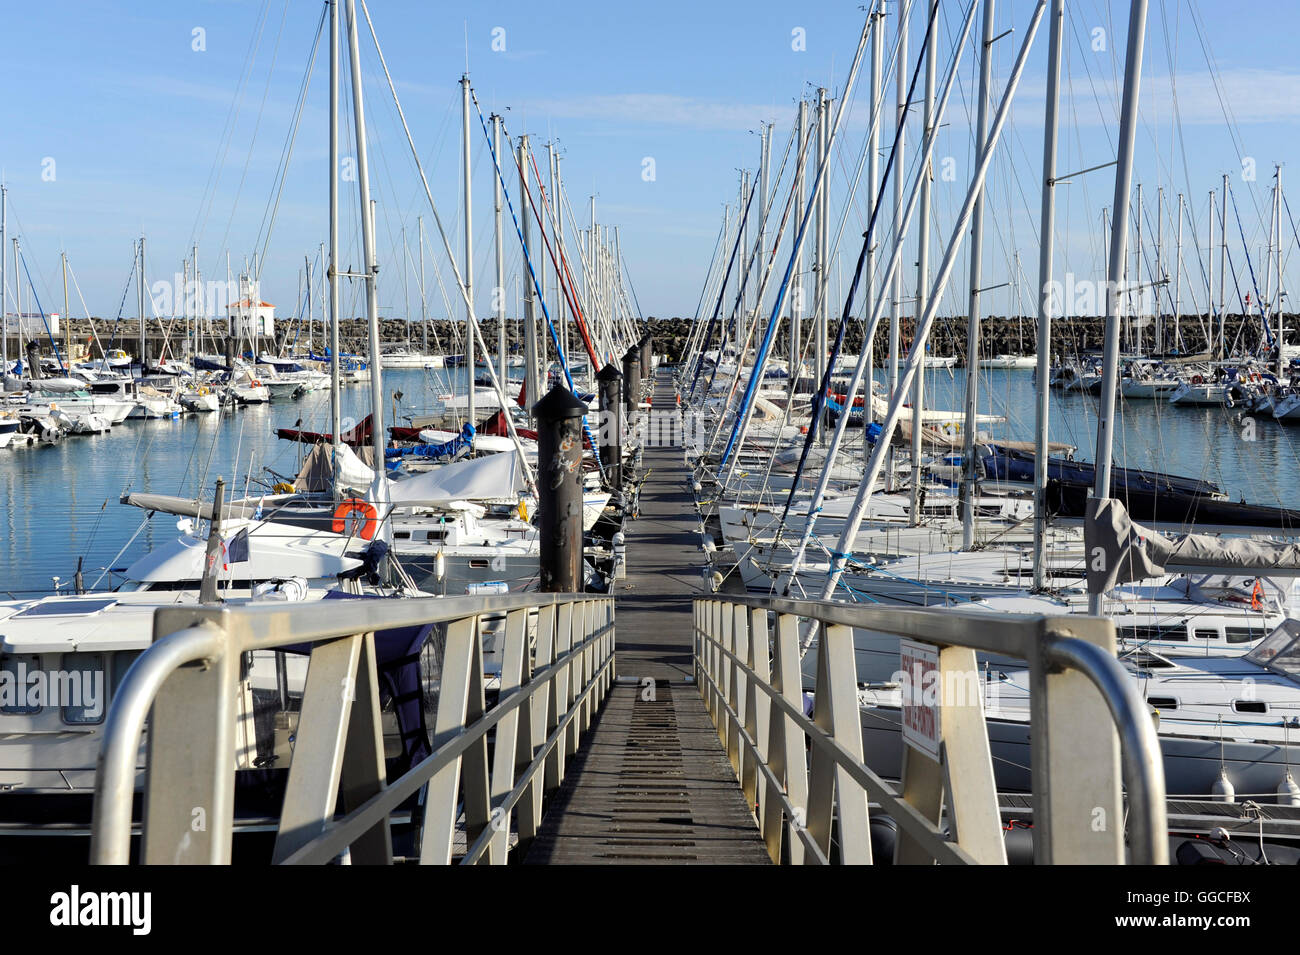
(60, 502)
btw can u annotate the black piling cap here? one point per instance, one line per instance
(557, 404)
(633, 354)
(646, 339)
(609, 373)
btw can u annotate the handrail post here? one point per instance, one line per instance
(787, 747)
(115, 771)
(757, 708)
(189, 790)
(462, 679)
(1075, 755)
(506, 759)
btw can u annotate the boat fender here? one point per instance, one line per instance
(351, 506)
(1288, 793)
(1223, 790)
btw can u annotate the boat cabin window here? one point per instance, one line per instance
(1250, 706)
(82, 697)
(1280, 650)
(1163, 702)
(14, 669)
(1146, 634)
(1242, 634)
(1200, 634)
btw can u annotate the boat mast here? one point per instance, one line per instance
(68, 326)
(1178, 272)
(1046, 237)
(531, 355)
(469, 261)
(499, 292)
(1277, 248)
(424, 310)
(368, 243)
(1134, 287)
(1118, 240)
(922, 284)
(796, 293)
(557, 231)
(140, 292)
(896, 295)
(1223, 261)
(973, 317)
(1159, 344)
(331, 272)
(1209, 277)
(873, 187)
(822, 273)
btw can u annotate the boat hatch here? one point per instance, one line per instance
(66, 608)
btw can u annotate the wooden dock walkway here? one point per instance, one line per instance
(652, 782)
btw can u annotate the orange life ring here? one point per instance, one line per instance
(354, 505)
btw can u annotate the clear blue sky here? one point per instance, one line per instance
(135, 121)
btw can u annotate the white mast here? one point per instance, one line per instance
(499, 293)
(368, 244)
(331, 272)
(1223, 262)
(1277, 246)
(1118, 238)
(532, 355)
(796, 294)
(469, 263)
(922, 279)
(1178, 271)
(1046, 240)
(822, 274)
(973, 316)
(873, 186)
(896, 293)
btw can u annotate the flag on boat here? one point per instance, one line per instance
(235, 550)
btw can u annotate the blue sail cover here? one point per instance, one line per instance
(461, 444)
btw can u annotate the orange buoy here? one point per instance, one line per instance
(355, 506)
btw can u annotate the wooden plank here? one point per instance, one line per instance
(651, 784)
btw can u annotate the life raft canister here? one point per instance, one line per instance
(1257, 596)
(354, 505)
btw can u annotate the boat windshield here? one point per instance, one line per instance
(1280, 650)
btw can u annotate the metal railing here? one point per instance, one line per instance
(811, 787)
(188, 685)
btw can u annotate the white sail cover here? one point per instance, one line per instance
(494, 477)
(1120, 551)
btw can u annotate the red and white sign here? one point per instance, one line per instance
(919, 682)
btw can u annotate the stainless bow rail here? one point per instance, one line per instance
(187, 685)
(807, 777)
